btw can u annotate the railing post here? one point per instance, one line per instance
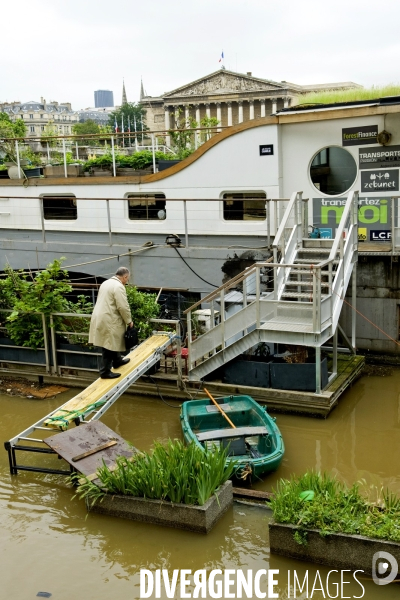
(109, 222)
(186, 224)
(113, 156)
(65, 159)
(18, 160)
(315, 322)
(77, 151)
(222, 305)
(268, 223)
(54, 345)
(341, 248)
(189, 337)
(179, 354)
(305, 218)
(46, 343)
(48, 152)
(153, 151)
(318, 369)
(353, 301)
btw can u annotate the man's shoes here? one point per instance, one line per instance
(123, 361)
(110, 375)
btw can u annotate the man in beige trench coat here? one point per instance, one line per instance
(110, 318)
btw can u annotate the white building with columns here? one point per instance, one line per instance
(230, 97)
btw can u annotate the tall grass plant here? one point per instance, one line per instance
(172, 472)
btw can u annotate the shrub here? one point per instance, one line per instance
(335, 508)
(143, 308)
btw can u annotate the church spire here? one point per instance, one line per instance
(142, 93)
(124, 98)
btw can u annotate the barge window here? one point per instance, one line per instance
(245, 207)
(333, 170)
(147, 207)
(60, 208)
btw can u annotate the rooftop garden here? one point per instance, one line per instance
(352, 95)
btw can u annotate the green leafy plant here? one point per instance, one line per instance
(172, 472)
(143, 308)
(29, 295)
(335, 508)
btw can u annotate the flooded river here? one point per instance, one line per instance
(48, 544)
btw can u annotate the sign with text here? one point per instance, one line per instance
(266, 149)
(358, 136)
(374, 214)
(380, 235)
(379, 157)
(376, 181)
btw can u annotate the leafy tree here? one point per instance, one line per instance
(50, 134)
(90, 127)
(10, 129)
(131, 112)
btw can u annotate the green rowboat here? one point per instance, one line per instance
(256, 444)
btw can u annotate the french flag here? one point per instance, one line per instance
(222, 56)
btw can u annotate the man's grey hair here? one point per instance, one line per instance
(121, 271)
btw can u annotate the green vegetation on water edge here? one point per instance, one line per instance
(352, 95)
(172, 472)
(335, 508)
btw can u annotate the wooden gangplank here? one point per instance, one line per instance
(101, 389)
(89, 405)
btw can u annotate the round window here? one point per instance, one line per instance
(333, 170)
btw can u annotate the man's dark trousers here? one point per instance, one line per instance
(110, 358)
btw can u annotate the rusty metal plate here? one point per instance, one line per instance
(87, 437)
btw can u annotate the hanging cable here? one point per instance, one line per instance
(197, 275)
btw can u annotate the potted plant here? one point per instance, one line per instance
(174, 485)
(319, 519)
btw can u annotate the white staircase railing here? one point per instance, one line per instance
(248, 314)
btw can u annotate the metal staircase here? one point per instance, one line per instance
(310, 279)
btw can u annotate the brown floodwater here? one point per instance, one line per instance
(48, 544)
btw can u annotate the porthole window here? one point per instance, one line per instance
(333, 170)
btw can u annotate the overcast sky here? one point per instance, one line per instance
(64, 50)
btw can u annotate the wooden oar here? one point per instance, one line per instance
(220, 409)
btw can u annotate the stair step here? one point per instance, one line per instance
(311, 261)
(309, 283)
(300, 295)
(306, 272)
(316, 250)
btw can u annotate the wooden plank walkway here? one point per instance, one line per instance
(99, 388)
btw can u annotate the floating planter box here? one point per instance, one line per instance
(159, 512)
(338, 550)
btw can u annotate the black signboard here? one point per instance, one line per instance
(377, 181)
(380, 235)
(266, 150)
(379, 157)
(358, 136)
